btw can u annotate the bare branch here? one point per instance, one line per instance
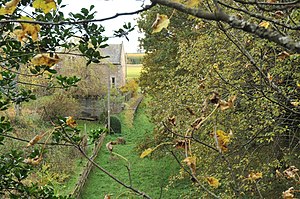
(80, 21)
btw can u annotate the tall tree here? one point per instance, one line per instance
(229, 101)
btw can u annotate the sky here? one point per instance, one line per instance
(108, 8)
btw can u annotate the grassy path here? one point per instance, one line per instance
(148, 175)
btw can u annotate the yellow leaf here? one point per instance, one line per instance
(146, 152)
(20, 35)
(45, 5)
(71, 122)
(1, 77)
(264, 24)
(30, 29)
(44, 59)
(191, 162)
(9, 8)
(212, 181)
(223, 140)
(162, 21)
(254, 176)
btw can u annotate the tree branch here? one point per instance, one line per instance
(80, 21)
(236, 23)
(112, 176)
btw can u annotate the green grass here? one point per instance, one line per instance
(78, 165)
(133, 70)
(148, 174)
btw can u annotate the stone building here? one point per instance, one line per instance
(95, 79)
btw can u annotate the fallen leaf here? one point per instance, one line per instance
(109, 147)
(213, 182)
(146, 152)
(107, 196)
(161, 22)
(45, 5)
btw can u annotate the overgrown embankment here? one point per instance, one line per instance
(148, 175)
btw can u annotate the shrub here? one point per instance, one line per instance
(56, 105)
(130, 86)
(115, 124)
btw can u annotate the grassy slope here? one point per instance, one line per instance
(148, 175)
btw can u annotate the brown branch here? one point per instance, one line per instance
(264, 76)
(190, 137)
(43, 143)
(193, 176)
(80, 21)
(111, 175)
(37, 85)
(258, 16)
(295, 3)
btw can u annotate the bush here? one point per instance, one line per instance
(56, 105)
(130, 86)
(115, 124)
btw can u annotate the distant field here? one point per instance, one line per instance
(134, 58)
(133, 70)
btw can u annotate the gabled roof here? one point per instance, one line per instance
(114, 51)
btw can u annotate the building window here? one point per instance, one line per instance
(113, 81)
